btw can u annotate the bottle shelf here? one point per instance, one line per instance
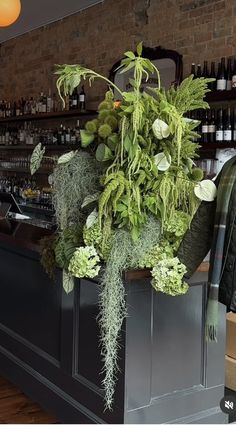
(221, 96)
(217, 145)
(31, 147)
(50, 115)
(24, 170)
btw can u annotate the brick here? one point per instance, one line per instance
(98, 36)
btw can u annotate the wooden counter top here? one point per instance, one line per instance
(22, 235)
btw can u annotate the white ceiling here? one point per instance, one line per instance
(37, 13)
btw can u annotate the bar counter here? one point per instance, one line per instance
(49, 343)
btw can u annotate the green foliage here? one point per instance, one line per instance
(66, 244)
(168, 277)
(148, 184)
(84, 262)
(48, 259)
(73, 181)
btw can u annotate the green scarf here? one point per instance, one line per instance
(227, 180)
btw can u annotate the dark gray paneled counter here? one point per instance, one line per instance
(49, 345)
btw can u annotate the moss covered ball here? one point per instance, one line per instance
(104, 131)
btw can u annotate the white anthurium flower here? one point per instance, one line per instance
(160, 129)
(162, 162)
(206, 190)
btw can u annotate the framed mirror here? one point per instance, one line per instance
(168, 62)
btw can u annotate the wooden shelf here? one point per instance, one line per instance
(221, 96)
(49, 115)
(217, 145)
(24, 170)
(31, 147)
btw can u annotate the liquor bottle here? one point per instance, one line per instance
(82, 98)
(74, 100)
(212, 127)
(199, 71)
(49, 101)
(205, 73)
(68, 135)
(220, 127)
(234, 129)
(234, 76)
(77, 131)
(205, 128)
(193, 70)
(44, 104)
(228, 127)
(229, 75)
(212, 85)
(221, 76)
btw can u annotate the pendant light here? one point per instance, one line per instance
(9, 12)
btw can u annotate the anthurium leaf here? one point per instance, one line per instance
(92, 218)
(68, 282)
(130, 55)
(205, 190)
(140, 48)
(90, 198)
(86, 138)
(162, 162)
(63, 159)
(36, 158)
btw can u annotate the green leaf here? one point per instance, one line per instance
(36, 158)
(130, 54)
(127, 68)
(68, 282)
(63, 159)
(103, 153)
(127, 143)
(92, 218)
(90, 198)
(140, 48)
(135, 233)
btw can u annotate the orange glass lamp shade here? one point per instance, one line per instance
(9, 12)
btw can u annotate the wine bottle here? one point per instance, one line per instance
(220, 127)
(82, 98)
(205, 128)
(212, 85)
(228, 127)
(199, 71)
(221, 76)
(193, 70)
(212, 127)
(74, 99)
(205, 73)
(229, 75)
(234, 128)
(234, 76)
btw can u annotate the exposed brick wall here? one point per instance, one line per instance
(97, 37)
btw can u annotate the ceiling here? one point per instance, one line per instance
(37, 13)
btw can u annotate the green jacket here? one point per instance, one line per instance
(197, 243)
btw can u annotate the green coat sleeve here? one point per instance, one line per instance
(197, 240)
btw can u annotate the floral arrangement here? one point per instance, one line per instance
(128, 201)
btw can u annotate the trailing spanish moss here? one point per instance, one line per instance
(73, 181)
(125, 254)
